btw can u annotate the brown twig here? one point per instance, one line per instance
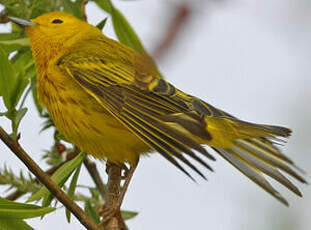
(181, 17)
(92, 169)
(83, 4)
(15, 195)
(114, 222)
(46, 180)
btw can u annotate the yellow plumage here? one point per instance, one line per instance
(111, 102)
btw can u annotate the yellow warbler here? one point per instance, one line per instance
(111, 102)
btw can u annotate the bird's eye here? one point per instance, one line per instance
(57, 21)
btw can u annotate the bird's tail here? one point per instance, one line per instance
(251, 148)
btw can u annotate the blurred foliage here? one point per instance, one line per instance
(22, 183)
(17, 82)
(53, 157)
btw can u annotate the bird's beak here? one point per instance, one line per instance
(22, 22)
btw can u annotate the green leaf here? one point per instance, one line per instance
(122, 28)
(8, 78)
(24, 184)
(53, 156)
(104, 4)
(23, 61)
(35, 96)
(11, 224)
(19, 41)
(15, 210)
(13, 41)
(59, 177)
(126, 215)
(30, 72)
(125, 32)
(72, 189)
(12, 85)
(90, 210)
(9, 36)
(95, 193)
(15, 44)
(17, 118)
(102, 24)
(73, 8)
(19, 89)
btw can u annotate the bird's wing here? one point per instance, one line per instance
(170, 121)
(123, 83)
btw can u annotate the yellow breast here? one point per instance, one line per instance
(86, 123)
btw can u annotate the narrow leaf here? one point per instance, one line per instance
(102, 23)
(19, 41)
(17, 118)
(73, 8)
(9, 36)
(11, 224)
(59, 177)
(23, 60)
(35, 95)
(15, 44)
(125, 32)
(15, 210)
(9, 213)
(104, 4)
(21, 84)
(123, 29)
(7, 79)
(90, 210)
(126, 215)
(72, 188)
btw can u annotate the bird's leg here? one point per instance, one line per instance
(115, 195)
(107, 211)
(128, 174)
(113, 190)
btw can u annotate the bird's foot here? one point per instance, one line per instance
(107, 212)
(112, 218)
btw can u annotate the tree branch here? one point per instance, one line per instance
(92, 169)
(46, 180)
(83, 4)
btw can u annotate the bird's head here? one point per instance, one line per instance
(55, 30)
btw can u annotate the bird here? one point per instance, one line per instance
(111, 102)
